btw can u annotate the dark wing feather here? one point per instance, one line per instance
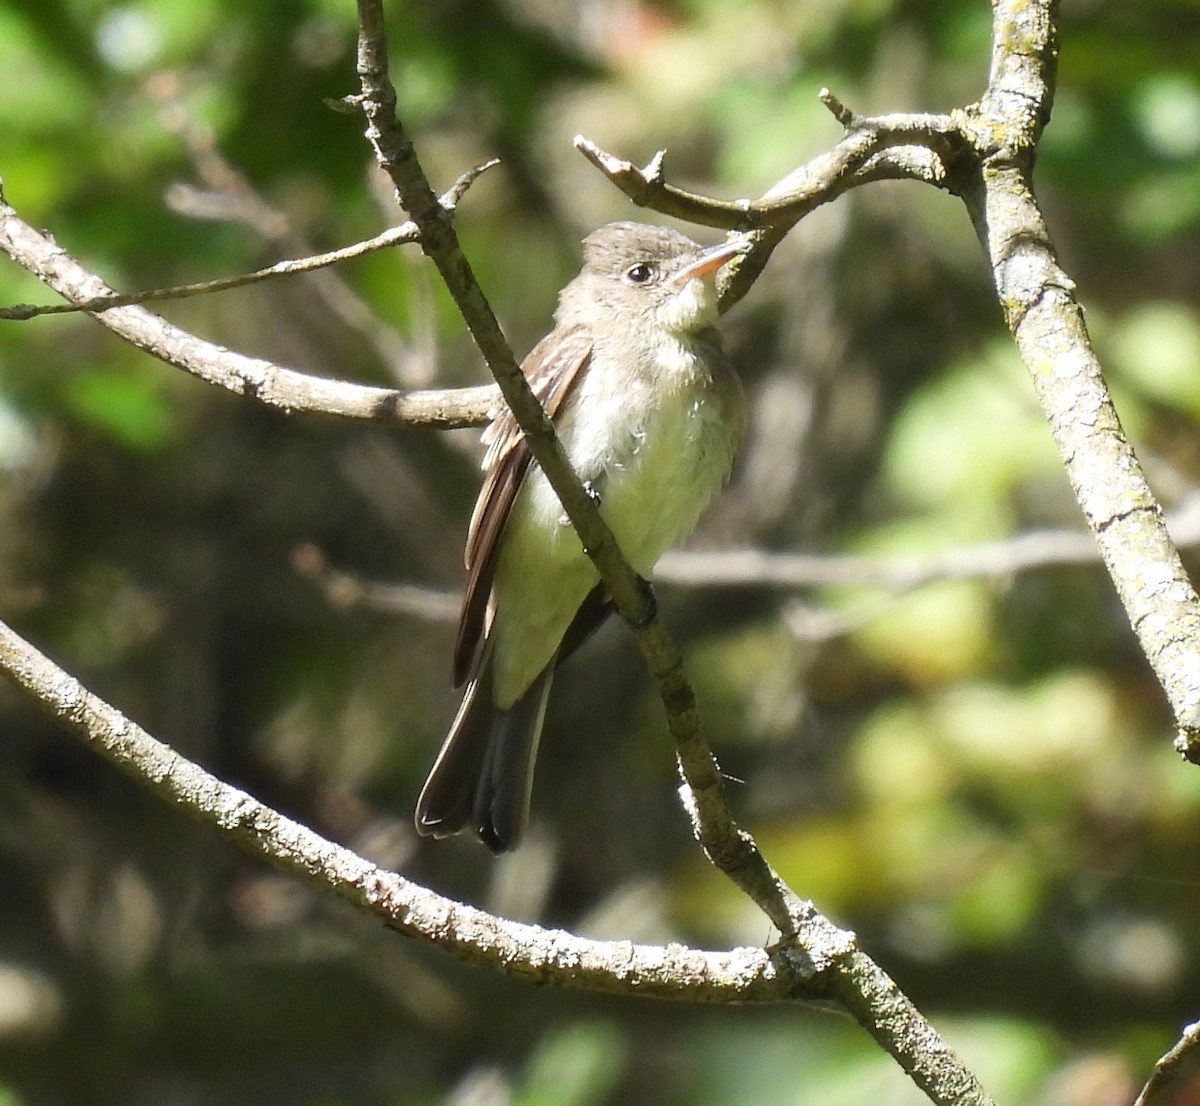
(551, 368)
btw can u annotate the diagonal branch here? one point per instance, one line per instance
(887, 147)
(393, 236)
(859, 984)
(274, 385)
(524, 951)
(1171, 1065)
(984, 153)
(1038, 299)
(729, 847)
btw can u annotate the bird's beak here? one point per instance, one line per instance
(710, 260)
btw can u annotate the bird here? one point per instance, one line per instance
(650, 413)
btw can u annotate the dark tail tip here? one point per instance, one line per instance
(483, 776)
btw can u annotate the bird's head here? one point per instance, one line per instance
(646, 276)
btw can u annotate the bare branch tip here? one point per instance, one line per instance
(345, 105)
(601, 159)
(653, 173)
(593, 153)
(459, 188)
(837, 109)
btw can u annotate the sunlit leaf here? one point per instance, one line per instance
(127, 405)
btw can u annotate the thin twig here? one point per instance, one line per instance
(1171, 1065)
(394, 236)
(1020, 553)
(889, 147)
(407, 232)
(344, 589)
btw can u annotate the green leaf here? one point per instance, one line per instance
(1156, 347)
(123, 404)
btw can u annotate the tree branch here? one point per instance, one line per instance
(1171, 1065)
(862, 987)
(984, 154)
(252, 377)
(1019, 553)
(1039, 304)
(729, 848)
(887, 147)
(525, 951)
(393, 236)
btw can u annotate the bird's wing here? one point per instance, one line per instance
(551, 368)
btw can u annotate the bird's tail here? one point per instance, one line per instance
(483, 776)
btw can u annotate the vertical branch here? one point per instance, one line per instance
(1045, 318)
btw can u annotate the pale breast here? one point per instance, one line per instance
(666, 448)
(655, 447)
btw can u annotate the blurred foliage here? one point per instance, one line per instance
(976, 776)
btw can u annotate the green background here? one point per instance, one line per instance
(976, 776)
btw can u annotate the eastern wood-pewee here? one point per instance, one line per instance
(650, 413)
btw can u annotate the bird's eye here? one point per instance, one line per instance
(639, 273)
